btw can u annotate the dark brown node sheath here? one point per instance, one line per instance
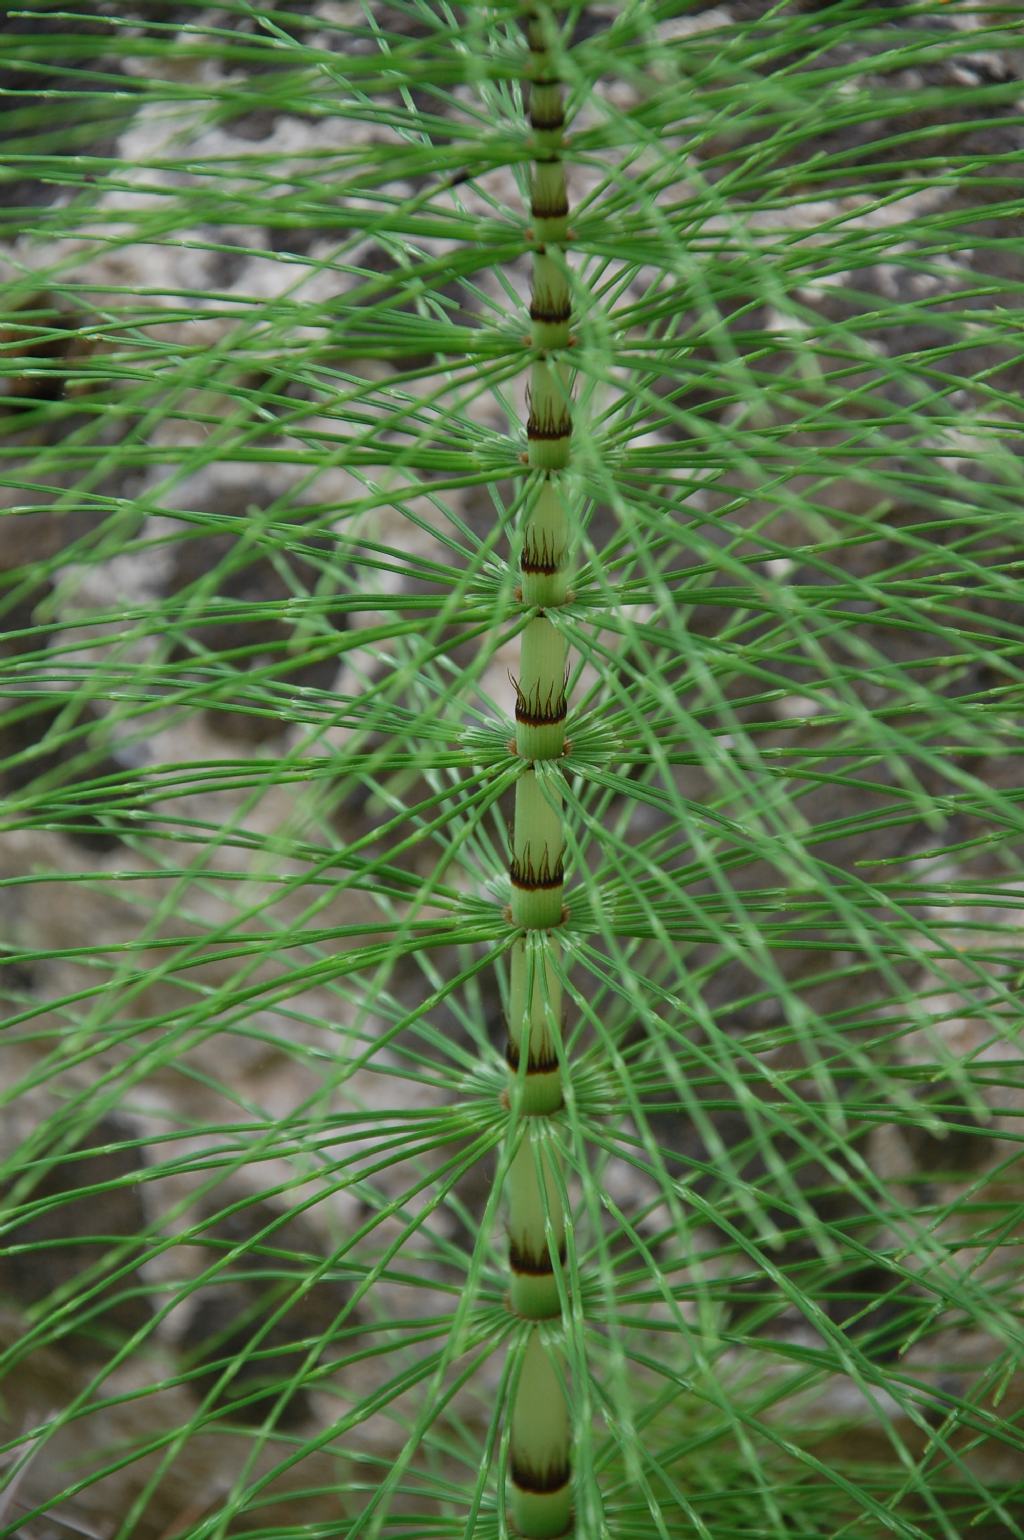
(541, 559)
(546, 123)
(533, 878)
(538, 712)
(550, 1478)
(531, 1264)
(550, 313)
(536, 1064)
(549, 429)
(559, 207)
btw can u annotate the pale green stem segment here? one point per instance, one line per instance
(534, 1202)
(540, 691)
(535, 1024)
(541, 1483)
(546, 547)
(540, 1480)
(537, 845)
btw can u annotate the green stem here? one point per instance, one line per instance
(540, 1474)
(535, 1021)
(541, 1482)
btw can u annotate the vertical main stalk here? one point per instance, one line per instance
(540, 1480)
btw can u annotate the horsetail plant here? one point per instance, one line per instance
(647, 1167)
(541, 1426)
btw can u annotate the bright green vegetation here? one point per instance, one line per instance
(511, 646)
